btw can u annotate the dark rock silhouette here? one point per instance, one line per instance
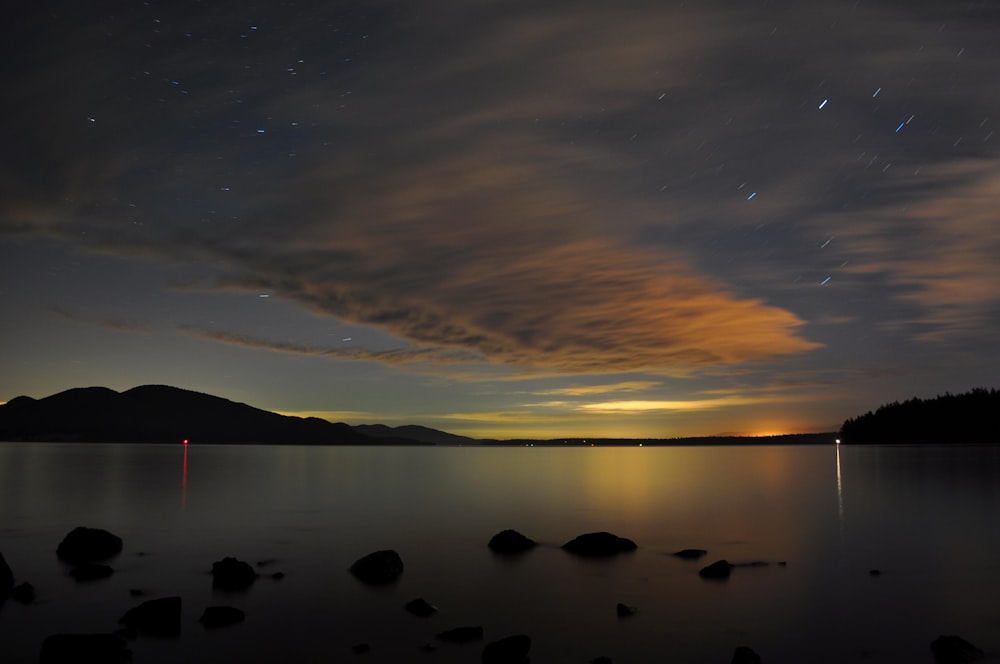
(88, 545)
(157, 617)
(510, 542)
(875, 572)
(624, 610)
(378, 568)
(745, 655)
(23, 593)
(952, 649)
(508, 650)
(232, 574)
(6, 579)
(599, 545)
(90, 572)
(360, 648)
(221, 616)
(602, 660)
(161, 414)
(461, 634)
(949, 418)
(77, 648)
(720, 569)
(690, 554)
(420, 607)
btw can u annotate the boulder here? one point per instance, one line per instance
(745, 655)
(509, 650)
(90, 572)
(75, 648)
(951, 649)
(378, 568)
(232, 574)
(23, 593)
(602, 660)
(720, 569)
(360, 648)
(88, 545)
(624, 610)
(510, 542)
(690, 554)
(157, 617)
(420, 607)
(221, 616)
(599, 545)
(462, 634)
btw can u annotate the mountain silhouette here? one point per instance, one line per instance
(163, 414)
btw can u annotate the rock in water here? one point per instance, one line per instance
(76, 648)
(420, 607)
(720, 569)
(951, 649)
(88, 545)
(378, 568)
(462, 634)
(690, 554)
(745, 655)
(90, 572)
(599, 545)
(24, 593)
(221, 616)
(509, 650)
(624, 610)
(157, 617)
(232, 574)
(6, 579)
(510, 542)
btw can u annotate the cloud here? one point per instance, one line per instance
(390, 356)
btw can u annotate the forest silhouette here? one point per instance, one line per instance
(970, 417)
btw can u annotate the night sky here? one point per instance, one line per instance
(505, 217)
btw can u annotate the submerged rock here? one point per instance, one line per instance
(599, 545)
(221, 616)
(420, 607)
(720, 569)
(75, 648)
(157, 617)
(23, 593)
(90, 572)
(690, 554)
(745, 655)
(509, 650)
(624, 610)
(83, 545)
(510, 542)
(951, 649)
(378, 568)
(462, 634)
(232, 574)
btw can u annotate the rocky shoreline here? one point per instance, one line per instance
(87, 551)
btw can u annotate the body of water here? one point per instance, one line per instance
(925, 516)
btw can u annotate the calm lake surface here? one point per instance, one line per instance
(928, 517)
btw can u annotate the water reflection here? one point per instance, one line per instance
(840, 492)
(184, 477)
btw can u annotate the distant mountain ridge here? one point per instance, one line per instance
(163, 414)
(413, 432)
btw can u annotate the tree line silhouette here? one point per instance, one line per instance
(971, 417)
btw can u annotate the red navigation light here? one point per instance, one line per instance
(185, 441)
